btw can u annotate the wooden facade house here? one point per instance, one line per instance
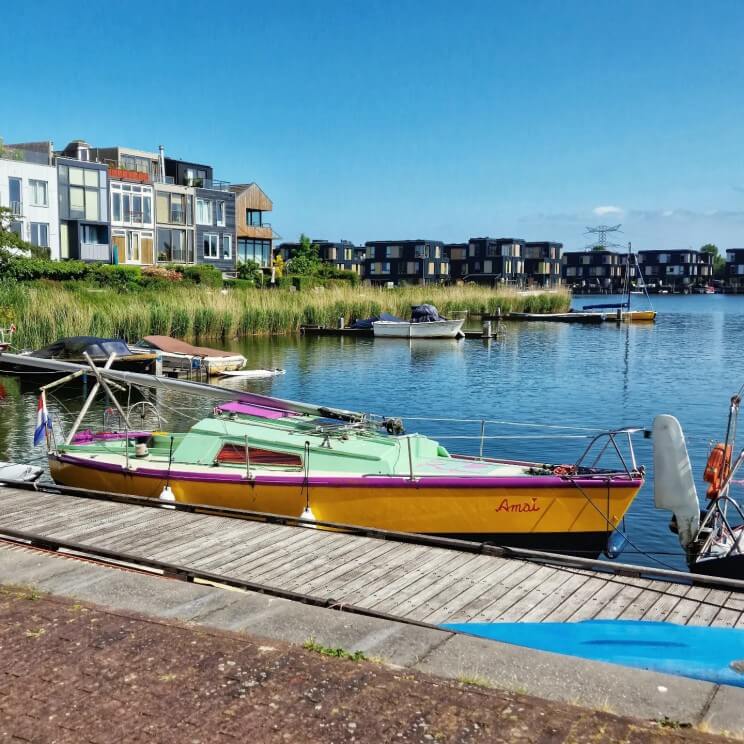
(254, 231)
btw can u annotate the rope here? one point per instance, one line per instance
(504, 423)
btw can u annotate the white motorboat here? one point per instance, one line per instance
(422, 329)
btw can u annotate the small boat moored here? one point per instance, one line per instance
(713, 537)
(179, 357)
(426, 322)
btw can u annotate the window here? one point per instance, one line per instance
(147, 209)
(570, 271)
(211, 245)
(77, 203)
(39, 196)
(116, 206)
(444, 268)
(412, 267)
(172, 246)
(16, 203)
(421, 251)
(219, 208)
(226, 247)
(254, 217)
(177, 209)
(385, 267)
(488, 267)
(40, 234)
(471, 250)
(256, 250)
(437, 251)
(203, 212)
(392, 251)
(133, 247)
(457, 254)
(663, 258)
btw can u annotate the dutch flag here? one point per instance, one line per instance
(43, 421)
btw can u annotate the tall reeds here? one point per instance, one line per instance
(46, 311)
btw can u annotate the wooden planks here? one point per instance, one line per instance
(421, 582)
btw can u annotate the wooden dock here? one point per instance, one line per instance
(420, 580)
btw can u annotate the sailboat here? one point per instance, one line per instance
(270, 455)
(626, 313)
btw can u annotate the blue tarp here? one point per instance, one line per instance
(712, 654)
(425, 314)
(367, 322)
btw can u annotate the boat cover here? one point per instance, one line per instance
(10, 471)
(711, 654)
(75, 346)
(425, 314)
(174, 346)
(367, 322)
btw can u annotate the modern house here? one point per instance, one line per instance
(593, 270)
(214, 212)
(542, 263)
(735, 270)
(253, 230)
(28, 187)
(406, 261)
(84, 231)
(681, 269)
(488, 260)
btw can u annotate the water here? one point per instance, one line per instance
(689, 364)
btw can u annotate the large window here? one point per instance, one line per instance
(40, 234)
(254, 217)
(175, 245)
(392, 251)
(219, 208)
(130, 204)
(255, 250)
(211, 245)
(39, 193)
(203, 212)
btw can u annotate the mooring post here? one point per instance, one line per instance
(486, 329)
(341, 323)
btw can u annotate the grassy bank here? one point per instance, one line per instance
(45, 311)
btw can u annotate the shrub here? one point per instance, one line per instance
(251, 271)
(115, 276)
(204, 274)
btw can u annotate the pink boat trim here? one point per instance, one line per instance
(372, 481)
(239, 406)
(86, 436)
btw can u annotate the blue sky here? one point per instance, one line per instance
(376, 120)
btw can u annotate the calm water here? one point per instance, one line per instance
(689, 363)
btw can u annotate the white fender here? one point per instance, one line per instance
(674, 484)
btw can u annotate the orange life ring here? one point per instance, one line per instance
(717, 467)
(563, 470)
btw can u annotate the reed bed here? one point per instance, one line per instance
(46, 311)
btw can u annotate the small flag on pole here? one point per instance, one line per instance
(42, 421)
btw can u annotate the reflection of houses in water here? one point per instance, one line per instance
(12, 419)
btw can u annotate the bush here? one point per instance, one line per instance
(251, 271)
(204, 274)
(115, 276)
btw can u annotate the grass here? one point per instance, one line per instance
(337, 653)
(45, 311)
(475, 680)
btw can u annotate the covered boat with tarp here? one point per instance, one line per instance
(74, 349)
(179, 357)
(425, 322)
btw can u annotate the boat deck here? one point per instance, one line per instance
(418, 579)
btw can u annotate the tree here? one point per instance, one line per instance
(306, 259)
(719, 262)
(8, 239)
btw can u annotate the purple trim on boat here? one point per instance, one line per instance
(238, 406)
(86, 436)
(370, 481)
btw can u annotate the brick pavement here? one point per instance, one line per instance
(78, 673)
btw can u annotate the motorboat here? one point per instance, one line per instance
(712, 535)
(426, 322)
(270, 455)
(179, 357)
(74, 350)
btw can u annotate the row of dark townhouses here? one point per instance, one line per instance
(128, 206)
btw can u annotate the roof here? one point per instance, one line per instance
(174, 346)
(252, 196)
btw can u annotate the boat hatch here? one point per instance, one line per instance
(235, 453)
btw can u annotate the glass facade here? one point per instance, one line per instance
(255, 250)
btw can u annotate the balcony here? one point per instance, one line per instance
(207, 183)
(95, 252)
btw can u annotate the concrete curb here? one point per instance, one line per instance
(608, 687)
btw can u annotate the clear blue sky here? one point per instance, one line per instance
(445, 120)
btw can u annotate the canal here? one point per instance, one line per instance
(688, 363)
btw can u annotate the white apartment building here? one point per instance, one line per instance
(29, 189)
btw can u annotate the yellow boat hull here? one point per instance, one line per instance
(560, 517)
(639, 316)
